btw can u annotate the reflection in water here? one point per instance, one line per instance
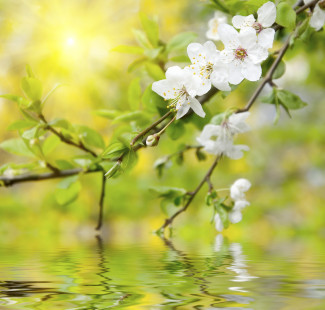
(163, 275)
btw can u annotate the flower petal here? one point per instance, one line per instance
(317, 20)
(235, 74)
(196, 107)
(220, 76)
(235, 217)
(257, 54)
(164, 89)
(267, 14)
(218, 222)
(266, 37)
(182, 110)
(210, 51)
(229, 36)
(175, 75)
(248, 38)
(241, 22)
(251, 72)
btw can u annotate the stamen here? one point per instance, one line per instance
(258, 27)
(240, 53)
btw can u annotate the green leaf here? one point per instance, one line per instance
(22, 124)
(180, 41)
(142, 39)
(91, 137)
(32, 87)
(279, 71)
(55, 87)
(160, 164)
(290, 100)
(114, 150)
(114, 171)
(152, 101)
(200, 155)
(176, 130)
(166, 191)
(154, 52)
(286, 16)
(29, 71)
(136, 64)
(181, 58)
(67, 195)
(17, 147)
(61, 123)
(139, 116)
(22, 102)
(218, 119)
(128, 49)
(134, 94)
(151, 29)
(155, 71)
(50, 144)
(129, 160)
(68, 181)
(110, 114)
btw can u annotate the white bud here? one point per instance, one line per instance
(152, 140)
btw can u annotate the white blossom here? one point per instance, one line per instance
(242, 52)
(180, 87)
(219, 18)
(207, 66)
(238, 189)
(218, 222)
(218, 139)
(237, 193)
(266, 18)
(317, 20)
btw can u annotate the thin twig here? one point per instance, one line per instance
(9, 181)
(79, 145)
(152, 126)
(192, 195)
(101, 203)
(268, 77)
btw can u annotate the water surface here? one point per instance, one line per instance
(162, 274)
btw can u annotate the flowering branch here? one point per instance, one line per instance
(268, 77)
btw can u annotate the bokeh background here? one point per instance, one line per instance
(71, 42)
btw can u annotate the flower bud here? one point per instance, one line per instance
(152, 140)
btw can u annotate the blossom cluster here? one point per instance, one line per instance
(244, 51)
(237, 194)
(218, 139)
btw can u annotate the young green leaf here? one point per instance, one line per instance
(67, 195)
(180, 41)
(151, 29)
(155, 71)
(91, 137)
(17, 147)
(134, 94)
(286, 16)
(32, 87)
(290, 100)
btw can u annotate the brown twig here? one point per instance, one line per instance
(79, 145)
(101, 203)
(9, 181)
(192, 195)
(268, 77)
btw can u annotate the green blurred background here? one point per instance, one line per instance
(71, 42)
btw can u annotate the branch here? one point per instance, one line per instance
(101, 203)
(192, 195)
(9, 181)
(79, 145)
